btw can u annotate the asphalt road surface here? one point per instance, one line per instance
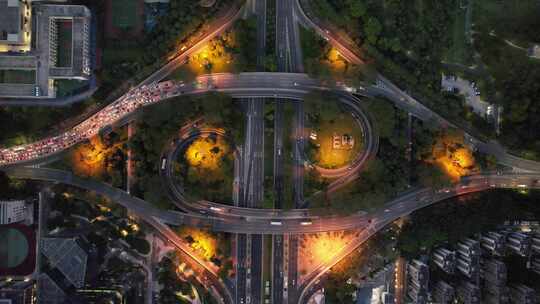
(403, 205)
(281, 85)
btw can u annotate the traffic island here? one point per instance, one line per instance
(334, 141)
(101, 157)
(230, 52)
(318, 249)
(204, 167)
(212, 247)
(321, 60)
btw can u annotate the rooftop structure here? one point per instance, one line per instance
(416, 294)
(535, 243)
(534, 51)
(48, 291)
(417, 281)
(443, 293)
(66, 255)
(498, 296)
(468, 247)
(494, 274)
(522, 294)
(12, 212)
(519, 243)
(418, 271)
(493, 243)
(468, 258)
(468, 267)
(468, 293)
(60, 49)
(445, 259)
(387, 298)
(535, 265)
(15, 25)
(17, 294)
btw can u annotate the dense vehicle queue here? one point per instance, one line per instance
(128, 103)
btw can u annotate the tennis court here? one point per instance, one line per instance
(124, 13)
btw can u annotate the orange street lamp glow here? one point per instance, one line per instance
(204, 243)
(326, 246)
(206, 153)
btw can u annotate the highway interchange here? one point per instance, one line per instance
(245, 216)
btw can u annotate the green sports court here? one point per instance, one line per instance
(124, 13)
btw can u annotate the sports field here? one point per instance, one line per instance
(18, 76)
(13, 247)
(124, 13)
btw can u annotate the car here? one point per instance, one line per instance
(163, 163)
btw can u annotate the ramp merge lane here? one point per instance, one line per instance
(291, 223)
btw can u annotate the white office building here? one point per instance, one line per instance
(12, 212)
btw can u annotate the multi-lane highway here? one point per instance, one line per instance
(289, 59)
(283, 65)
(277, 85)
(249, 247)
(280, 85)
(401, 206)
(309, 223)
(244, 85)
(296, 65)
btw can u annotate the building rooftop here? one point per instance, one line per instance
(60, 49)
(66, 255)
(12, 211)
(10, 20)
(48, 291)
(19, 294)
(534, 51)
